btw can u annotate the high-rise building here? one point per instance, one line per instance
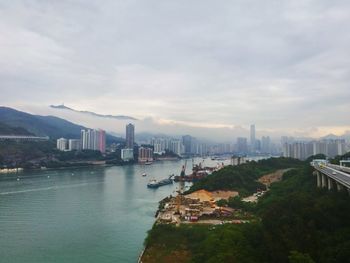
(176, 147)
(130, 136)
(302, 150)
(73, 144)
(145, 154)
(189, 144)
(252, 137)
(93, 140)
(127, 154)
(101, 141)
(62, 144)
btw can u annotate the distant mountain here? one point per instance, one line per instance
(51, 126)
(118, 117)
(331, 137)
(8, 130)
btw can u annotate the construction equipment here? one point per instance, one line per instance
(183, 170)
(181, 188)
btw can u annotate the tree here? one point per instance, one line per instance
(297, 257)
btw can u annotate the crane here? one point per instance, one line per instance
(181, 187)
(183, 170)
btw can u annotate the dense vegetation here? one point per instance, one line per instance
(28, 154)
(8, 130)
(299, 223)
(14, 154)
(243, 178)
(337, 158)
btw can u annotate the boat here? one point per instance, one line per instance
(155, 183)
(148, 163)
(144, 174)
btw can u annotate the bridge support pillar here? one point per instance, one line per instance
(318, 179)
(323, 180)
(339, 187)
(330, 183)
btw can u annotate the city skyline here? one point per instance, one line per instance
(205, 71)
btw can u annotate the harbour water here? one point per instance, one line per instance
(80, 215)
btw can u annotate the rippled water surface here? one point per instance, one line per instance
(79, 215)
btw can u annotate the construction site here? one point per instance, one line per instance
(197, 207)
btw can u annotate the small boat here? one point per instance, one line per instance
(148, 163)
(144, 174)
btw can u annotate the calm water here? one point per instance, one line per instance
(80, 215)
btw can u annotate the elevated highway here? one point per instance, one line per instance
(332, 176)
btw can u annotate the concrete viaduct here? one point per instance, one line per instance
(331, 176)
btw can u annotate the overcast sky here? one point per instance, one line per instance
(283, 65)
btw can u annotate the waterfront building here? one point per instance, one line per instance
(73, 144)
(93, 140)
(130, 136)
(127, 154)
(176, 147)
(160, 145)
(62, 144)
(145, 154)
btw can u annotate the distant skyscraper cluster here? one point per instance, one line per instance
(255, 146)
(302, 150)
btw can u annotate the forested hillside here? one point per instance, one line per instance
(298, 223)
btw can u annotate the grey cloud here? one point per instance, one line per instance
(280, 64)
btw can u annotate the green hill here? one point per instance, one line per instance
(299, 223)
(8, 130)
(51, 126)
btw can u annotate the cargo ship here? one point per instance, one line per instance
(155, 183)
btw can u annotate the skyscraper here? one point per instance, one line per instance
(252, 137)
(130, 136)
(101, 144)
(188, 143)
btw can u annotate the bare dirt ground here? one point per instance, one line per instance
(268, 179)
